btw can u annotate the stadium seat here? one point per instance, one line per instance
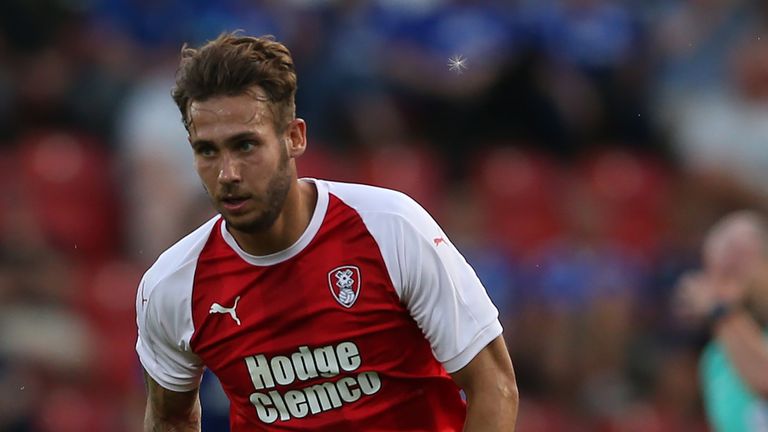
(107, 299)
(319, 161)
(410, 168)
(633, 189)
(518, 191)
(68, 180)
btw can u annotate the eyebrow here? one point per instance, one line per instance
(234, 138)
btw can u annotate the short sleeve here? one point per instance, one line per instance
(162, 346)
(439, 288)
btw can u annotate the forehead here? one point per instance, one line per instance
(224, 115)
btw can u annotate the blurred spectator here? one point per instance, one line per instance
(730, 296)
(722, 132)
(548, 156)
(163, 192)
(693, 41)
(595, 56)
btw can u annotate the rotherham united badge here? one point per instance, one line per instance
(344, 283)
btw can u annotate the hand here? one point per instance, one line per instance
(699, 293)
(694, 297)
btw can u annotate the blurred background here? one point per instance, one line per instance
(576, 162)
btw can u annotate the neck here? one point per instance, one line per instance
(288, 227)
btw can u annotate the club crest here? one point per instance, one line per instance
(344, 283)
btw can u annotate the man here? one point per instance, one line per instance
(731, 294)
(318, 305)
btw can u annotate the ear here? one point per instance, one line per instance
(296, 137)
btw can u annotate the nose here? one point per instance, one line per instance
(230, 170)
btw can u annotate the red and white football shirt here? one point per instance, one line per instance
(354, 327)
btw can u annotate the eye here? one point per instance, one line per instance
(205, 151)
(246, 145)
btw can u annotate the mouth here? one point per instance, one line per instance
(234, 204)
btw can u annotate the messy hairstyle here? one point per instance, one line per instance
(232, 64)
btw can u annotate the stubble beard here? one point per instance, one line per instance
(277, 192)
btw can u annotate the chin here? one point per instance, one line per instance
(250, 224)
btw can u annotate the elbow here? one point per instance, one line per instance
(514, 394)
(509, 401)
(501, 388)
(508, 390)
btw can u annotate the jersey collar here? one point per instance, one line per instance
(306, 237)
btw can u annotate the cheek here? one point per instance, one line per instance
(206, 170)
(258, 166)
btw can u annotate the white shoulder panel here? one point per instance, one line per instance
(434, 281)
(164, 314)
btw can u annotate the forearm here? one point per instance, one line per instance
(170, 411)
(746, 347)
(155, 423)
(492, 410)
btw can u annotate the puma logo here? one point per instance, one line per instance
(438, 240)
(217, 308)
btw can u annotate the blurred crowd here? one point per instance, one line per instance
(576, 161)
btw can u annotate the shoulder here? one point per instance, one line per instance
(392, 217)
(178, 261)
(376, 200)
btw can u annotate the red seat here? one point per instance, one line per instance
(68, 181)
(633, 189)
(107, 299)
(9, 192)
(76, 407)
(410, 168)
(320, 162)
(518, 192)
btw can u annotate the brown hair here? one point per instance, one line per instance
(230, 65)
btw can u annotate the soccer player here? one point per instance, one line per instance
(318, 305)
(731, 295)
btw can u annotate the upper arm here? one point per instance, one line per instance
(489, 383)
(167, 408)
(491, 368)
(435, 283)
(164, 329)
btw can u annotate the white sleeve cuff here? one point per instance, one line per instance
(481, 340)
(165, 380)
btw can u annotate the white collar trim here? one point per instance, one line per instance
(306, 237)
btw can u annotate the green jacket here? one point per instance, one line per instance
(730, 405)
